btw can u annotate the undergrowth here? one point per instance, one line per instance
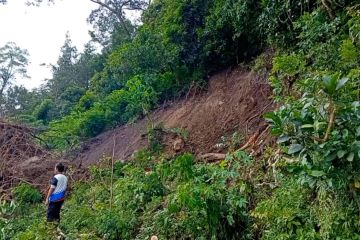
(172, 198)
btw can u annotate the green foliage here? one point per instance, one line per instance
(349, 53)
(277, 17)
(286, 69)
(114, 106)
(178, 44)
(155, 138)
(286, 215)
(86, 102)
(319, 127)
(180, 132)
(140, 98)
(26, 194)
(286, 66)
(231, 142)
(320, 38)
(13, 62)
(42, 112)
(317, 132)
(92, 123)
(229, 27)
(354, 23)
(295, 212)
(171, 198)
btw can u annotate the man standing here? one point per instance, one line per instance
(56, 194)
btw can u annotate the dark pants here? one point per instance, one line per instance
(53, 211)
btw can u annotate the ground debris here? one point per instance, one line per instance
(22, 159)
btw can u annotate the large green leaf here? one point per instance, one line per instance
(330, 83)
(316, 173)
(273, 118)
(307, 126)
(294, 148)
(283, 139)
(350, 157)
(341, 83)
(341, 153)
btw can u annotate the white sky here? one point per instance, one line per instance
(41, 30)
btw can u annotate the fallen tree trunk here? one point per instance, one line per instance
(212, 157)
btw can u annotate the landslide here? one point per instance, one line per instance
(22, 159)
(235, 100)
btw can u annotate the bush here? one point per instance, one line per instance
(141, 97)
(42, 111)
(26, 194)
(92, 122)
(349, 54)
(86, 102)
(114, 106)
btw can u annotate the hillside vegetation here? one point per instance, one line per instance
(306, 186)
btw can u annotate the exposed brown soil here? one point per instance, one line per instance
(234, 101)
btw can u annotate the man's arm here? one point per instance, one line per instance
(53, 184)
(51, 190)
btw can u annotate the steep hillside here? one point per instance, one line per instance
(234, 101)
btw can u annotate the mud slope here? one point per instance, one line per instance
(234, 101)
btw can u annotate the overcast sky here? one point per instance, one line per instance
(41, 30)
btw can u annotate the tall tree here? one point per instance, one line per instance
(64, 70)
(110, 17)
(13, 63)
(88, 63)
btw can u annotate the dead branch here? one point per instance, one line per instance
(252, 140)
(331, 123)
(328, 8)
(256, 115)
(212, 157)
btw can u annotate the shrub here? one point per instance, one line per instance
(349, 54)
(26, 194)
(92, 122)
(86, 102)
(42, 111)
(114, 106)
(141, 97)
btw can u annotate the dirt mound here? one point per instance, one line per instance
(22, 159)
(234, 101)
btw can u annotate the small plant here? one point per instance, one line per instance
(155, 135)
(263, 63)
(349, 53)
(180, 132)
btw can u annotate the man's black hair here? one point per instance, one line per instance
(60, 167)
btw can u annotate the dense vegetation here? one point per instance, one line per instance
(174, 198)
(305, 187)
(178, 45)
